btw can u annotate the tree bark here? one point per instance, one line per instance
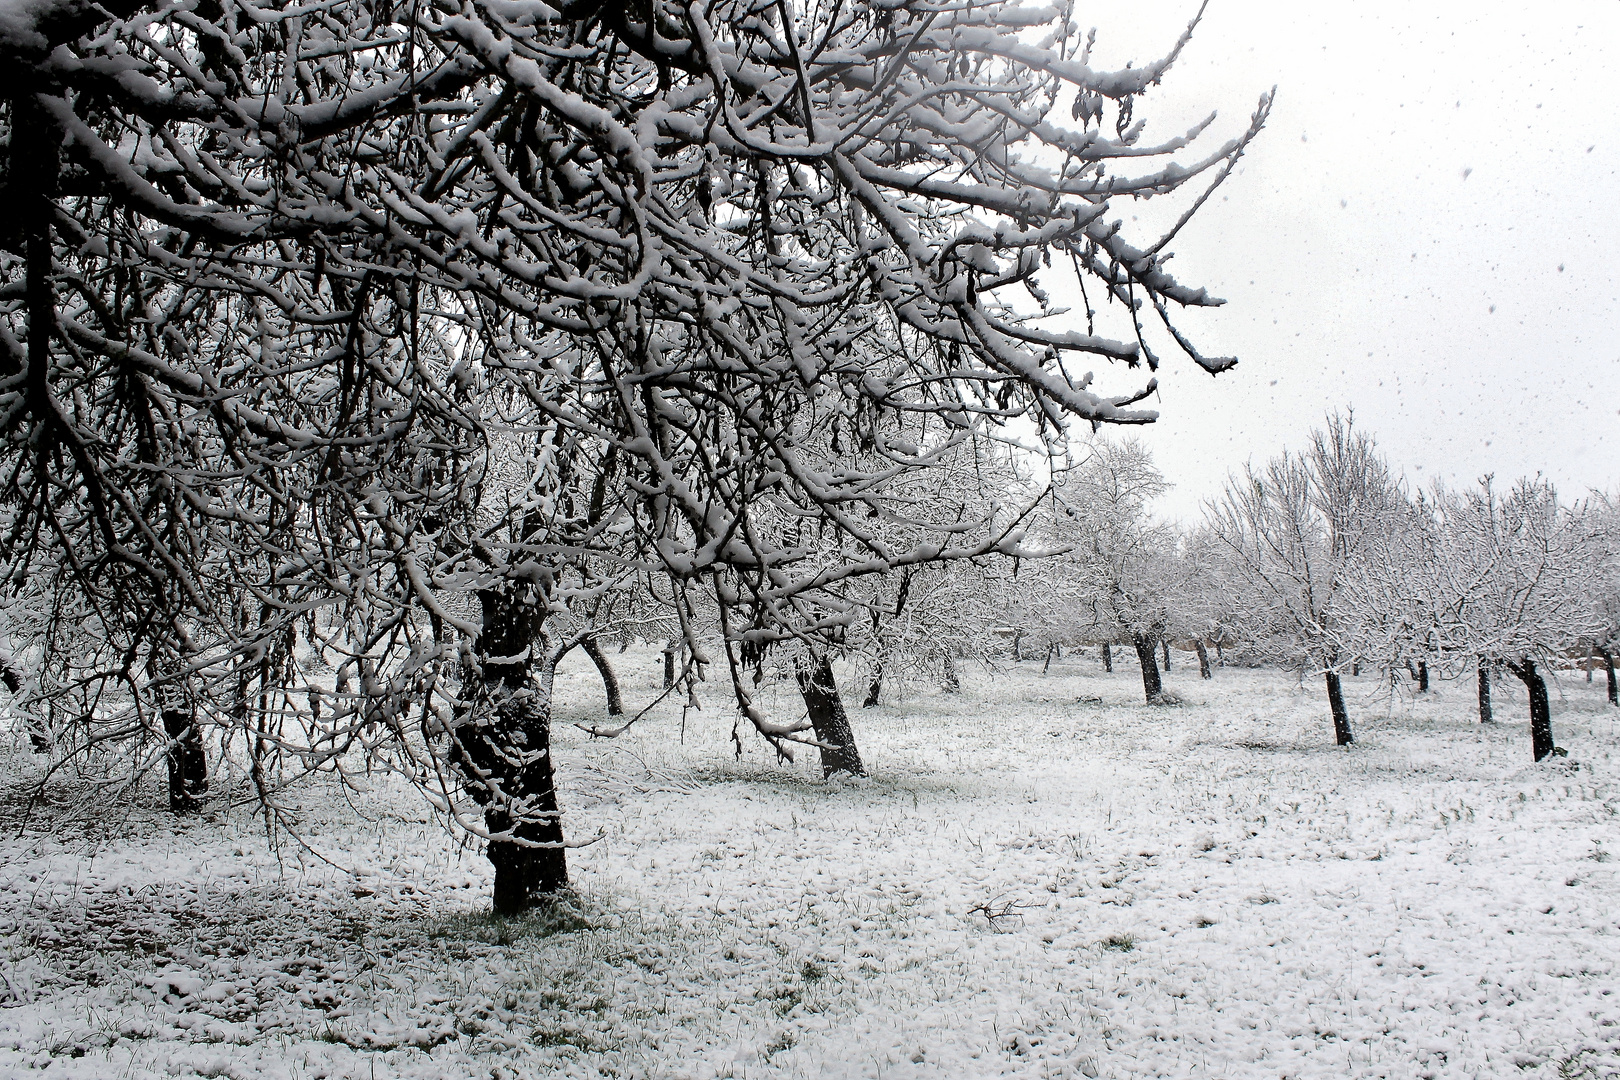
(1164, 644)
(1018, 647)
(1108, 658)
(1541, 737)
(1341, 715)
(188, 761)
(827, 716)
(1423, 677)
(1220, 655)
(1608, 663)
(874, 689)
(1050, 649)
(503, 750)
(610, 681)
(1204, 671)
(669, 664)
(1485, 714)
(1151, 686)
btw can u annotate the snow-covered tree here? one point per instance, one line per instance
(1296, 532)
(426, 326)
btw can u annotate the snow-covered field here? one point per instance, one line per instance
(1041, 877)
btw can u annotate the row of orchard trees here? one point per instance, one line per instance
(1325, 562)
(359, 360)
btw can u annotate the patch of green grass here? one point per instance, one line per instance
(1121, 942)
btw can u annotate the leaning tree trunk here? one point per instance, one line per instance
(827, 716)
(1608, 663)
(1341, 715)
(874, 689)
(1050, 649)
(610, 681)
(1541, 737)
(1485, 714)
(503, 750)
(1204, 671)
(1151, 686)
(1108, 659)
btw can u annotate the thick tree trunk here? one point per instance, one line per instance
(1164, 644)
(1341, 715)
(953, 681)
(1151, 686)
(1608, 664)
(1108, 658)
(188, 761)
(610, 681)
(1204, 671)
(1541, 737)
(503, 749)
(827, 716)
(1485, 715)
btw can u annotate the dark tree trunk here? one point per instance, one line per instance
(1220, 655)
(503, 750)
(827, 716)
(1341, 715)
(669, 665)
(1108, 658)
(188, 761)
(1204, 671)
(1608, 664)
(1164, 645)
(1423, 677)
(953, 681)
(39, 737)
(610, 681)
(1485, 715)
(874, 689)
(1050, 649)
(1541, 737)
(1151, 686)
(1355, 667)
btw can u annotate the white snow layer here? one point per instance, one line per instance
(1040, 878)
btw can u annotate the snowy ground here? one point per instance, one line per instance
(1041, 878)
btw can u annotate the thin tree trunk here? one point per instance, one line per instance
(1608, 664)
(1341, 715)
(1165, 645)
(1485, 714)
(1423, 676)
(827, 716)
(874, 689)
(1204, 671)
(669, 664)
(1050, 649)
(1108, 659)
(1220, 655)
(503, 751)
(1018, 647)
(953, 681)
(1151, 686)
(1541, 737)
(610, 681)
(188, 761)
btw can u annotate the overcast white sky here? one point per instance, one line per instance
(1428, 231)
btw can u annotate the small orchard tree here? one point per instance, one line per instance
(1296, 532)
